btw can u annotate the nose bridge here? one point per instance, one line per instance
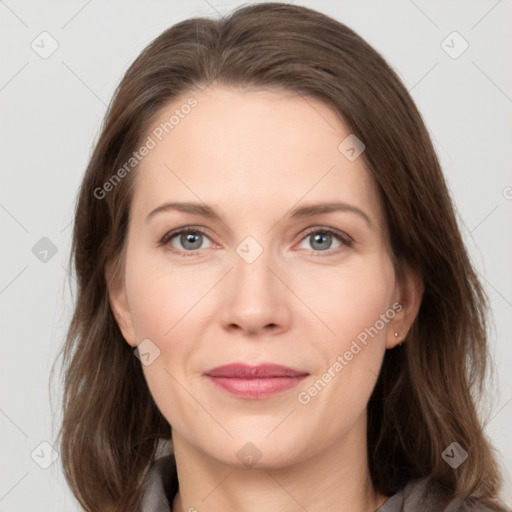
(252, 276)
(256, 298)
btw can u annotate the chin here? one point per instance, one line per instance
(255, 452)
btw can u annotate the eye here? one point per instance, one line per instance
(321, 240)
(189, 240)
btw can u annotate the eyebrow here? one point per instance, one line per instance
(298, 213)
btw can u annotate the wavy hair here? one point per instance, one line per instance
(427, 393)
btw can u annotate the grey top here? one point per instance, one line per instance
(422, 495)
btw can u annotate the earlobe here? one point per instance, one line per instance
(394, 335)
(119, 304)
(411, 290)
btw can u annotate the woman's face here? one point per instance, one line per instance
(268, 279)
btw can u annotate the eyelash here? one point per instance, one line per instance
(342, 237)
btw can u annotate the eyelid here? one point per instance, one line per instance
(332, 231)
(176, 232)
(345, 239)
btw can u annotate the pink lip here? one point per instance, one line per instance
(254, 382)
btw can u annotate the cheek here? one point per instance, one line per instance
(159, 295)
(349, 299)
(169, 306)
(165, 307)
(355, 303)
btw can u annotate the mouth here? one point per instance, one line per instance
(254, 382)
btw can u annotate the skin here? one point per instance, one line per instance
(254, 155)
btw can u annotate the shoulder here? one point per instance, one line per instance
(427, 495)
(160, 485)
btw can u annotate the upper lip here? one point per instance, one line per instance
(244, 371)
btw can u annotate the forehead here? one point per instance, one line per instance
(248, 148)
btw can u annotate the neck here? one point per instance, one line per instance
(335, 479)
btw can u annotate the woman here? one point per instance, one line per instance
(320, 343)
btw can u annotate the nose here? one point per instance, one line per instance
(255, 300)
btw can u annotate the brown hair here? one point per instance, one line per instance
(426, 395)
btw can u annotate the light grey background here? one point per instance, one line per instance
(51, 110)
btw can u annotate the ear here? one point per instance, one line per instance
(408, 296)
(119, 302)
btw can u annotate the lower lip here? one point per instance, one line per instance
(256, 388)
